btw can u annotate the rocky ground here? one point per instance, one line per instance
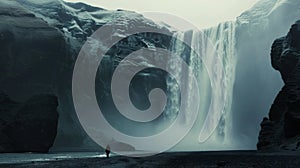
(182, 159)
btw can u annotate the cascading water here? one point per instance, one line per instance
(223, 38)
(174, 65)
(217, 54)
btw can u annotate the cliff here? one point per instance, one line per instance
(256, 83)
(39, 44)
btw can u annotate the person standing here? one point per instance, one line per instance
(107, 151)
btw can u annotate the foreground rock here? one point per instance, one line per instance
(29, 126)
(282, 129)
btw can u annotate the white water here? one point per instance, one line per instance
(216, 47)
(223, 38)
(21, 158)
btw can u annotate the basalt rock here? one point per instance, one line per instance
(282, 129)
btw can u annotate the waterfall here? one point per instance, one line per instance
(216, 48)
(174, 66)
(223, 39)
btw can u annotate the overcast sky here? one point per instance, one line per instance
(202, 13)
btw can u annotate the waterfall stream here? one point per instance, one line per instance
(213, 68)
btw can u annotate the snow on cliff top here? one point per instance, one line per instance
(82, 19)
(264, 9)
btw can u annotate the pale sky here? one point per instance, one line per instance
(202, 13)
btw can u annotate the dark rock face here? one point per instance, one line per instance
(31, 55)
(282, 129)
(29, 126)
(39, 44)
(31, 52)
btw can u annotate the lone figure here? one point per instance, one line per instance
(107, 151)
